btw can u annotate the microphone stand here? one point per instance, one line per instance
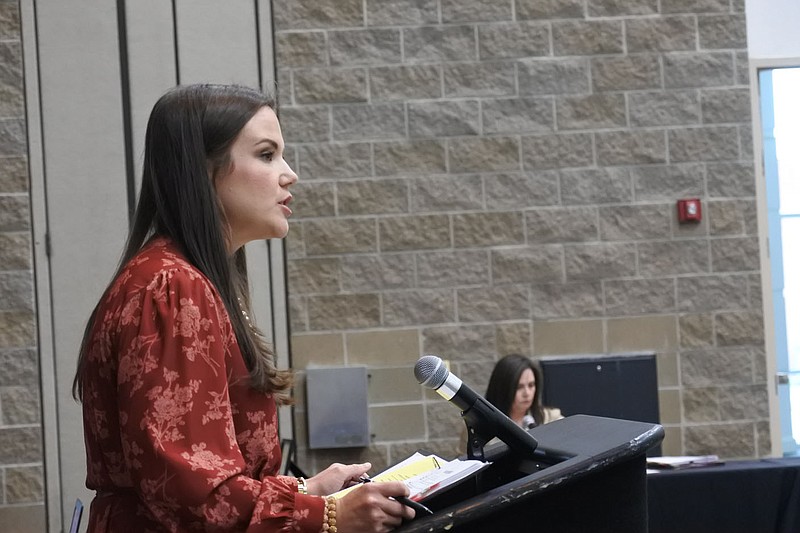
(481, 429)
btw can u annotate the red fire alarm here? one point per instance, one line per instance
(689, 210)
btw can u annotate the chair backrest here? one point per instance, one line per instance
(77, 513)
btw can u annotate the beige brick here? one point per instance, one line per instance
(696, 330)
(656, 333)
(729, 441)
(568, 337)
(368, 197)
(368, 121)
(453, 269)
(487, 229)
(630, 72)
(639, 296)
(24, 518)
(669, 406)
(17, 329)
(701, 405)
(313, 199)
(334, 161)
(557, 151)
(510, 302)
(393, 384)
(9, 23)
(602, 110)
(13, 170)
(343, 311)
(318, 13)
(364, 47)
(310, 276)
(673, 441)
(340, 236)
(409, 157)
(437, 43)
(590, 262)
(410, 308)
(414, 232)
(24, 484)
(485, 154)
(397, 422)
(405, 82)
(722, 31)
(518, 39)
(667, 367)
(610, 8)
(513, 338)
(460, 343)
(635, 222)
(362, 273)
(587, 37)
(410, 12)
(444, 421)
(301, 49)
(661, 34)
(479, 79)
(317, 349)
(323, 85)
(446, 193)
(562, 224)
(383, 348)
(15, 251)
(476, 10)
(732, 365)
(20, 405)
(545, 9)
(567, 300)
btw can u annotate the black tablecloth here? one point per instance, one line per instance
(738, 497)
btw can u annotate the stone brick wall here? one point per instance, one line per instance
(485, 176)
(21, 460)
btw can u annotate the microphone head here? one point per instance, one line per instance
(430, 371)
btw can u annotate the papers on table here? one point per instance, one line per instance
(677, 462)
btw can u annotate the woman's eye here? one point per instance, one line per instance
(267, 156)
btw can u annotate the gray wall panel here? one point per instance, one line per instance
(217, 41)
(84, 164)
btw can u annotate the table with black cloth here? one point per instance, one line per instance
(759, 496)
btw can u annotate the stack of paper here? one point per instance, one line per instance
(682, 461)
(425, 475)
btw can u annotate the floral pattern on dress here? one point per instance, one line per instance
(175, 439)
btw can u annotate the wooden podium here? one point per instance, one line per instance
(587, 475)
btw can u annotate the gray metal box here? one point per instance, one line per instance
(336, 407)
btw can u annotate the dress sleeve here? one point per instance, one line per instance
(177, 425)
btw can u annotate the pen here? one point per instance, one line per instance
(418, 507)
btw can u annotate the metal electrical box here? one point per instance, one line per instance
(336, 407)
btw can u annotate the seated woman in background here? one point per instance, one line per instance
(513, 389)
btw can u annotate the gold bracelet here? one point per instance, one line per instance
(329, 518)
(302, 486)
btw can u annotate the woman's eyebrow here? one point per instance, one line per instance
(269, 142)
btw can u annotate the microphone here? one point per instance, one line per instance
(484, 420)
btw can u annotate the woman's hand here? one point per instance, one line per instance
(368, 508)
(336, 477)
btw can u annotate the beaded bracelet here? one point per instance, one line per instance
(302, 486)
(329, 518)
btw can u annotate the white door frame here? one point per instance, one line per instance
(763, 238)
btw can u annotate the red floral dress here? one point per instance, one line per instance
(175, 438)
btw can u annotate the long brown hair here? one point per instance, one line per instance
(503, 384)
(189, 136)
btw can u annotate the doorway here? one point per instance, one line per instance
(780, 125)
